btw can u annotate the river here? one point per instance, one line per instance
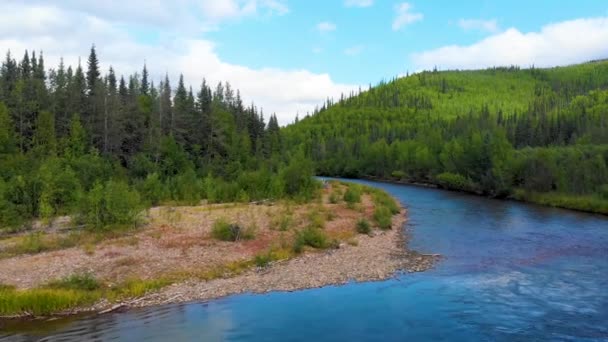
(511, 272)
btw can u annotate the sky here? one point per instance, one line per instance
(288, 56)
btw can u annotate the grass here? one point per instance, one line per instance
(79, 290)
(353, 194)
(224, 231)
(363, 226)
(317, 217)
(383, 217)
(84, 282)
(312, 237)
(41, 302)
(589, 203)
(282, 222)
(40, 242)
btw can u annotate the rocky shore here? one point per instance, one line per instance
(377, 257)
(177, 246)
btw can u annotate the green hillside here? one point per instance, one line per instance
(533, 134)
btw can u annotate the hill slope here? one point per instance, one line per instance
(535, 134)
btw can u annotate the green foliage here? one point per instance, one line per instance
(83, 282)
(363, 226)
(383, 217)
(298, 179)
(224, 231)
(312, 237)
(153, 190)
(454, 181)
(604, 191)
(7, 135)
(487, 131)
(111, 204)
(60, 189)
(40, 302)
(353, 194)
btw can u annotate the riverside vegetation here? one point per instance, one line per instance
(538, 135)
(192, 246)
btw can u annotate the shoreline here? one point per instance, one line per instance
(380, 255)
(294, 275)
(508, 198)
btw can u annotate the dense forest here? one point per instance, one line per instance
(532, 134)
(103, 147)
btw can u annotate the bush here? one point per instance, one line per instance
(224, 231)
(604, 191)
(262, 260)
(382, 199)
(83, 282)
(310, 236)
(334, 198)
(454, 181)
(383, 217)
(282, 222)
(111, 204)
(152, 189)
(187, 188)
(363, 226)
(353, 194)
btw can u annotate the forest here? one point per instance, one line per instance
(538, 135)
(103, 147)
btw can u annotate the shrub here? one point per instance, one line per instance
(282, 222)
(382, 216)
(382, 199)
(604, 191)
(334, 198)
(111, 204)
(363, 226)
(454, 181)
(398, 174)
(224, 231)
(353, 194)
(33, 243)
(152, 189)
(83, 282)
(310, 236)
(262, 260)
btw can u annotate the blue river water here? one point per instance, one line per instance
(510, 272)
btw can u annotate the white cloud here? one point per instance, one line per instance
(560, 43)
(326, 26)
(354, 50)
(405, 16)
(358, 3)
(65, 31)
(478, 24)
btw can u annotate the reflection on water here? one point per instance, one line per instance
(511, 271)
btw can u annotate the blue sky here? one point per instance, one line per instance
(288, 56)
(293, 41)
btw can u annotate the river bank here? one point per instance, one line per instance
(175, 258)
(585, 204)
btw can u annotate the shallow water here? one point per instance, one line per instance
(511, 272)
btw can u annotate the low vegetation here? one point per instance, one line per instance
(363, 226)
(224, 231)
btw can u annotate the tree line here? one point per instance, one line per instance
(102, 147)
(536, 134)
